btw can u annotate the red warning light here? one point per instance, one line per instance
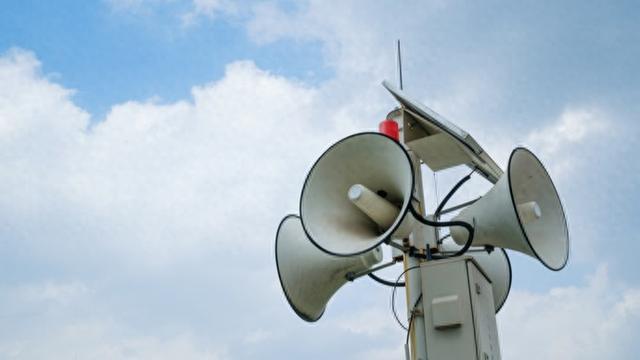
(390, 128)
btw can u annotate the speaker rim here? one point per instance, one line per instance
(286, 295)
(506, 296)
(564, 215)
(402, 211)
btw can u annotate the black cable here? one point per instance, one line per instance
(412, 316)
(393, 296)
(443, 238)
(386, 282)
(465, 225)
(451, 192)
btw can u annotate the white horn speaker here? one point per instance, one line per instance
(308, 276)
(521, 212)
(358, 194)
(496, 266)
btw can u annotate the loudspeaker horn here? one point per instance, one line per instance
(357, 195)
(522, 212)
(496, 266)
(308, 276)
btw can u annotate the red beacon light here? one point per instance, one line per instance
(390, 128)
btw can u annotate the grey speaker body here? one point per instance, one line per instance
(498, 223)
(308, 276)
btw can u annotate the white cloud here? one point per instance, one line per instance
(32, 106)
(369, 321)
(136, 7)
(594, 321)
(104, 340)
(382, 353)
(209, 9)
(67, 320)
(561, 140)
(573, 126)
(351, 42)
(259, 336)
(188, 192)
(53, 292)
(152, 181)
(188, 12)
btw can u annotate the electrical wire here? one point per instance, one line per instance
(465, 225)
(386, 282)
(393, 297)
(443, 238)
(451, 192)
(412, 316)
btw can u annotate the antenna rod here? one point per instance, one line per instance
(399, 65)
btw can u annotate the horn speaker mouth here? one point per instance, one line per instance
(298, 312)
(330, 220)
(529, 181)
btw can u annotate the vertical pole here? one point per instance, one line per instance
(413, 279)
(399, 66)
(413, 289)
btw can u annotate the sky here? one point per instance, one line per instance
(149, 149)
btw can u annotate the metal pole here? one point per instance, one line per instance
(413, 290)
(399, 66)
(413, 279)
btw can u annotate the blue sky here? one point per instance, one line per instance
(115, 53)
(151, 147)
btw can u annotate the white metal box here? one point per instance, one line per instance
(459, 313)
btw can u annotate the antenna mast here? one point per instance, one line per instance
(399, 66)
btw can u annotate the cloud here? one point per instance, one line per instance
(52, 292)
(562, 140)
(371, 322)
(136, 7)
(350, 41)
(132, 232)
(208, 9)
(382, 353)
(573, 126)
(594, 321)
(188, 13)
(97, 340)
(152, 180)
(66, 320)
(259, 336)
